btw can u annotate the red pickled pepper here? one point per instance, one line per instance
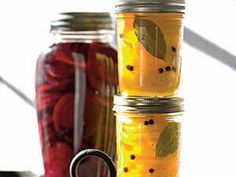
(55, 93)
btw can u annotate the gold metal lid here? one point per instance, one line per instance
(150, 6)
(82, 21)
(148, 104)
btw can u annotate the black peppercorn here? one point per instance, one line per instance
(130, 68)
(151, 121)
(161, 70)
(125, 169)
(132, 157)
(146, 123)
(151, 170)
(168, 68)
(173, 49)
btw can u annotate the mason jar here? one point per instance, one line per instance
(76, 78)
(149, 35)
(148, 136)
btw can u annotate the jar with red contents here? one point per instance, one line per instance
(76, 78)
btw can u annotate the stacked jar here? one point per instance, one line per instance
(149, 37)
(76, 79)
(148, 109)
(148, 136)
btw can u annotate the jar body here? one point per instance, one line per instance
(148, 144)
(75, 84)
(149, 52)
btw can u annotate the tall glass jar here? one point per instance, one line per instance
(76, 78)
(148, 136)
(149, 35)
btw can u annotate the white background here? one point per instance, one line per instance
(208, 85)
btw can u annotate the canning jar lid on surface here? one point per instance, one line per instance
(150, 6)
(148, 104)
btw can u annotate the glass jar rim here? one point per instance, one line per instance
(148, 104)
(150, 6)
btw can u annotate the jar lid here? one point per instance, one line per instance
(82, 21)
(148, 104)
(150, 6)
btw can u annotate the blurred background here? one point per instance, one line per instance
(208, 83)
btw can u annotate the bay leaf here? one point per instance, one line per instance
(168, 140)
(150, 36)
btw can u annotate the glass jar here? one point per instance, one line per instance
(149, 35)
(76, 78)
(148, 136)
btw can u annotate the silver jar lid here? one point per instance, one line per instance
(150, 6)
(148, 104)
(82, 21)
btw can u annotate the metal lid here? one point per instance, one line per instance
(82, 21)
(150, 6)
(148, 104)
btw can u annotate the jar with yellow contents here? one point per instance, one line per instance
(149, 35)
(148, 136)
